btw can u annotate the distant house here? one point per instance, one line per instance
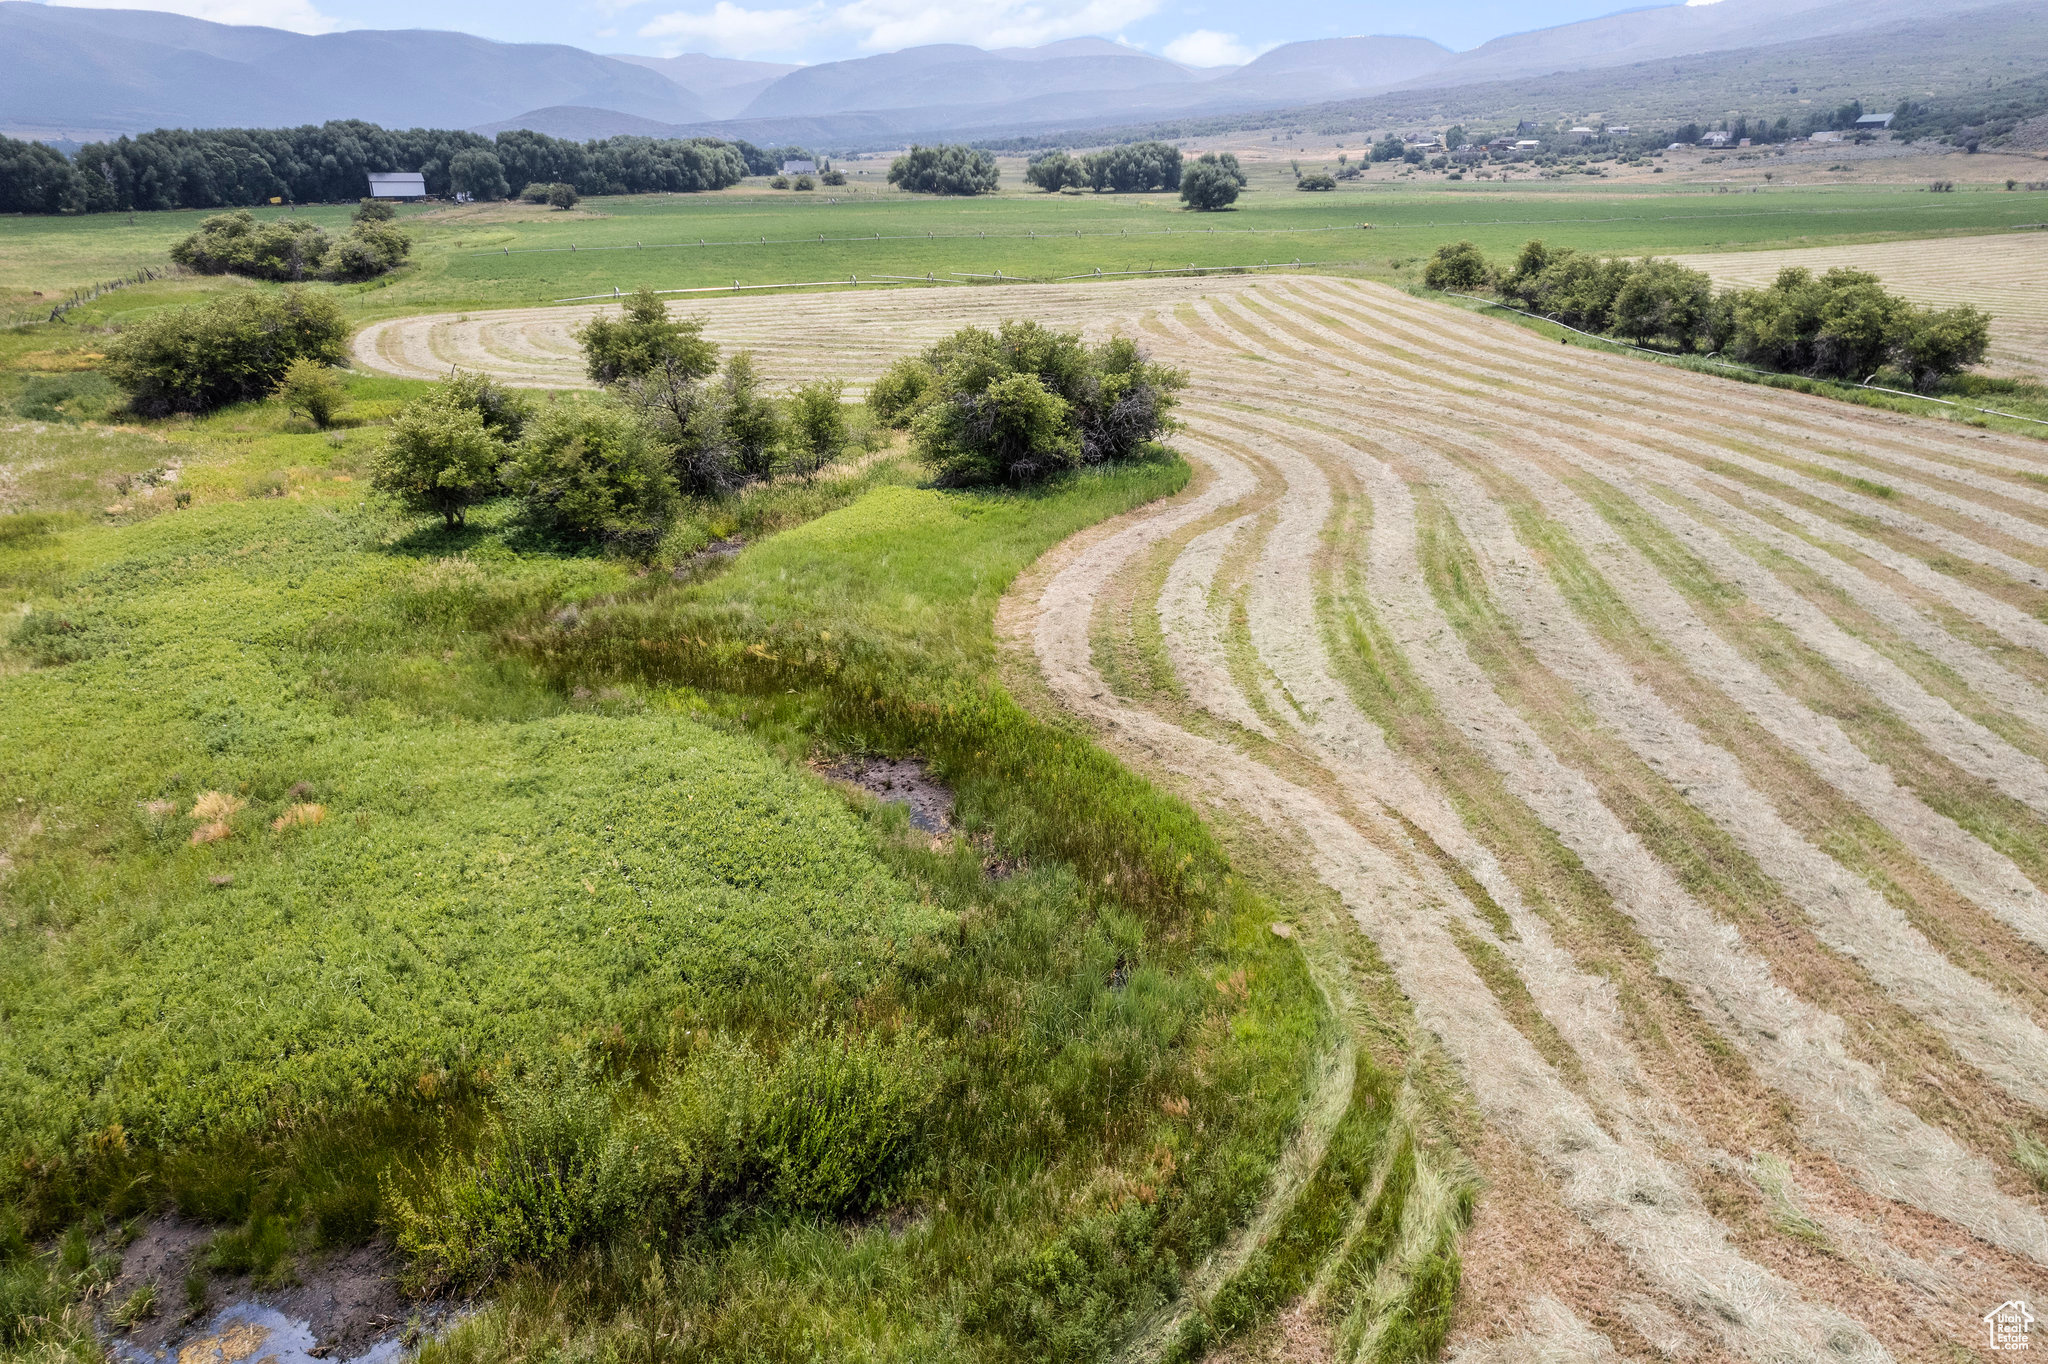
(796, 167)
(1716, 139)
(1528, 144)
(1526, 126)
(1583, 134)
(1825, 137)
(397, 185)
(1873, 123)
(1618, 130)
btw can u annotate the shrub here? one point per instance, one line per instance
(373, 211)
(834, 178)
(945, 170)
(816, 429)
(366, 251)
(1318, 181)
(751, 427)
(591, 472)
(803, 182)
(504, 410)
(645, 339)
(901, 389)
(1124, 402)
(1937, 344)
(1209, 185)
(1663, 301)
(1457, 266)
(236, 244)
(562, 195)
(779, 182)
(440, 458)
(1011, 430)
(234, 349)
(310, 387)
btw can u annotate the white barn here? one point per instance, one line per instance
(794, 167)
(397, 185)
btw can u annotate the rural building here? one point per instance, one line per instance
(1583, 134)
(796, 167)
(1527, 144)
(1873, 123)
(397, 185)
(1618, 130)
(1715, 139)
(1825, 137)
(1526, 126)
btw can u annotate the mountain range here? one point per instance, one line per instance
(77, 74)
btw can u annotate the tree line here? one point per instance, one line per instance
(327, 163)
(1840, 325)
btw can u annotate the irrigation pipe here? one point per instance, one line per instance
(855, 280)
(1730, 364)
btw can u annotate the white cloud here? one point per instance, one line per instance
(1206, 47)
(885, 25)
(297, 15)
(732, 31)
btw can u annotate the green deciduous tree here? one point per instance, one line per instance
(1459, 267)
(1208, 185)
(956, 169)
(234, 349)
(441, 457)
(1937, 344)
(815, 432)
(644, 338)
(591, 472)
(479, 174)
(310, 387)
(1054, 171)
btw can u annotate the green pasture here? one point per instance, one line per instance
(518, 258)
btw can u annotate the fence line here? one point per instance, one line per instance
(82, 296)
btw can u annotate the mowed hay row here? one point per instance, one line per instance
(2005, 275)
(794, 338)
(1680, 745)
(1683, 788)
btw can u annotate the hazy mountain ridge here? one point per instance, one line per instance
(95, 72)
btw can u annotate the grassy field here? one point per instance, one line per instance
(461, 258)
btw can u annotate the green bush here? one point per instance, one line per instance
(504, 410)
(310, 387)
(815, 432)
(591, 472)
(236, 244)
(234, 349)
(367, 251)
(373, 211)
(1457, 266)
(645, 339)
(1318, 181)
(954, 169)
(1209, 185)
(553, 193)
(901, 389)
(1054, 171)
(1939, 343)
(1664, 302)
(441, 457)
(1025, 403)
(834, 178)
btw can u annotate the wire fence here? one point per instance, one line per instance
(78, 298)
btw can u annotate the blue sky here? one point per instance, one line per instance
(1201, 32)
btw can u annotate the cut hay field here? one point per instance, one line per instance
(1678, 748)
(2006, 275)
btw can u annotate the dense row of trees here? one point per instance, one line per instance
(234, 167)
(1840, 325)
(1025, 403)
(952, 169)
(1132, 168)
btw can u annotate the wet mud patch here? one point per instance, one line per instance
(900, 781)
(343, 1306)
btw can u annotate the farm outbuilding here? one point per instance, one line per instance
(397, 185)
(1871, 123)
(796, 167)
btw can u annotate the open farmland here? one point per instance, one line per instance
(2006, 276)
(1682, 755)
